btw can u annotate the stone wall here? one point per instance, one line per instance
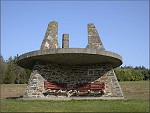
(73, 75)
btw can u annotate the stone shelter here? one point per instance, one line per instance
(71, 73)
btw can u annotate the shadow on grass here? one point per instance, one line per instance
(14, 97)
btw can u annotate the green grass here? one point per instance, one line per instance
(131, 105)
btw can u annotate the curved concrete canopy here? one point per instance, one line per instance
(69, 56)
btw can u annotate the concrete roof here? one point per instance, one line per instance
(69, 56)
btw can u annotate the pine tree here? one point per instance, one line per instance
(2, 69)
(22, 74)
(10, 75)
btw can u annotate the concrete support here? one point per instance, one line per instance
(65, 41)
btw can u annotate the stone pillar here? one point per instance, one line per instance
(35, 86)
(65, 41)
(50, 40)
(94, 41)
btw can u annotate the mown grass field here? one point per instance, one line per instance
(136, 100)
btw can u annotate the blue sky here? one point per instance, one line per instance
(122, 25)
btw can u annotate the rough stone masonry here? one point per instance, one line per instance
(71, 73)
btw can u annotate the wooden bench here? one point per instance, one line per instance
(90, 89)
(81, 88)
(55, 85)
(90, 86)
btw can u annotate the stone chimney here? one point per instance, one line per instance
(65, 41)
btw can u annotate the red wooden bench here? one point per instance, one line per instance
(90, 86)
(55, 85)
(80, 87)
(84, 89)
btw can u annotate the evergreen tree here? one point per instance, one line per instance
(2, 69)
(22, 75)
(10, 75)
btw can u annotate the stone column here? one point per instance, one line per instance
(50, 40)
(35, 86)
(65, 41)
(94, 41)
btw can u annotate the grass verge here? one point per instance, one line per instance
(130, 105)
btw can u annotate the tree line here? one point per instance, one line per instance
(129, 73)
(11, 73)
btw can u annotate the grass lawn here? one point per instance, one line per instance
(132, 105)
(136, 100)
(135, 89)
